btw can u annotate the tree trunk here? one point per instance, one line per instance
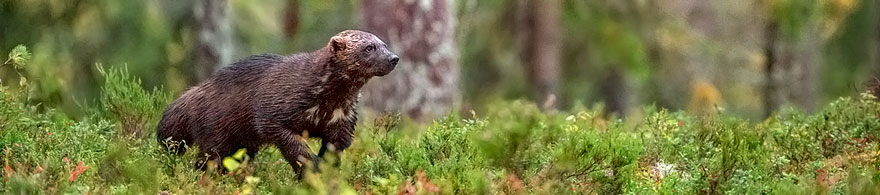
(877, 34)
(421, 32)
(540, 35)
(792, 68)
(291, 18)
(804, 81)
(615, 93)
(874, 82)
(214, 40)
(678, 67)
(772, 96)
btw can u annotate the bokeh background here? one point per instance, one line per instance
(747, 57)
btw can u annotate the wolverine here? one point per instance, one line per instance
(279, 100)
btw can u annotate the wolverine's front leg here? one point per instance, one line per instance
(296, 151)
(292, 146)
(337, 138)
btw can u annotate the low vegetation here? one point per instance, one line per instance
(515, 148)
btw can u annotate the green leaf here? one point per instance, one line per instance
(22, 82)
(231, 164)
(348, 191)
(19, 56)
(380, 180)
(251, 180)
(239, 155)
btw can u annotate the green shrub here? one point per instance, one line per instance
(126, 102)
(514, 148)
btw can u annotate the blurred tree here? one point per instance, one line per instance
(617, 45)
(874, 82)
(539, 31)
(425, 83)
(772, 95)
(686, 34)
(792, 54)
(877, 34)
(796, 32)
(489, 48)
(69, 37)
(214, 43)
(615, 93)
(291, 18)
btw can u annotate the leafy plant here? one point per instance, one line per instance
(126, 102)
(513, 148)
(18, 57)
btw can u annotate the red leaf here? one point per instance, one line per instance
(8, 170)
(77, 171)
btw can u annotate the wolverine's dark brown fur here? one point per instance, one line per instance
(272, 99)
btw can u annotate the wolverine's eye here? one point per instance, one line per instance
(370, 48)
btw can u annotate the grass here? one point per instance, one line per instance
(512, 149)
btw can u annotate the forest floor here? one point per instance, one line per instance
(514, 148)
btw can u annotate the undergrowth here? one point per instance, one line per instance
(515, 148)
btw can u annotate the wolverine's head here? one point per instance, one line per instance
(363, 52)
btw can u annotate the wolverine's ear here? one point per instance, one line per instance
(337, 43)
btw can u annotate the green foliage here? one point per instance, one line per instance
(232, 163)
(23, 185)
(125, 101)
(794, 16)
(514, 148)
(132, 173)
(619, 42)
(156, 39)
(511, 148)
(18, 57)
(862, 181)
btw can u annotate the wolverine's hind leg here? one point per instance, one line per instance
(173, 131)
